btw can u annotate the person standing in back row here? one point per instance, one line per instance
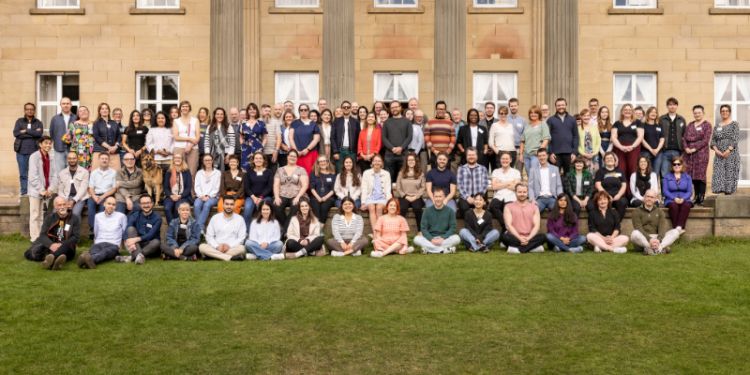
(397, 133)
(673, 125)
(563, 131)
(28, 130)
(58, 127)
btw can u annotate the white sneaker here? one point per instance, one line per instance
(122, 259)
(140, 259)
(679, 229)
(557, 249)
(357, 253)
(410, 249)
(335, 253)
(513, 250)
(620, 250)
(277, 257)
(538, 249)
(597, 249)
(424, 251)
(502, 245)
(450, 250)
(577, 249)
(376, 254)
(300, 254)
(250, 256)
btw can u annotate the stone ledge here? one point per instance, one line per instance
(60, 11)
(495, 10)
(645, 11)
(284, 10)
(157, 11)
(395, 10)
(729, 11)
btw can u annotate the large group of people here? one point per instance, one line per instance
(274, 173)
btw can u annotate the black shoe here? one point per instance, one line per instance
(91, 236)
(57, 266)
(85, 261)
(49, 260)
(238, 258)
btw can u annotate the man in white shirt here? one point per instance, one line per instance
(504, 181)
(109, 230)
(545, 183)
(102, 184)
(225, 234)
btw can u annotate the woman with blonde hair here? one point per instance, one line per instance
(178, 186)
(322, 182)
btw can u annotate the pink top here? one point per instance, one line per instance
(523, 216)
(392, 229)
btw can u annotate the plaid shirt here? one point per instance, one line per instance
(472, 180)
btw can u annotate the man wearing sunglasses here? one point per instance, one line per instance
(344, 135)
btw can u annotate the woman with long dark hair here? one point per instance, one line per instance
(348, 182)
(348, 231)
(562, 227)
(641, 181)
(134, 138)
(304, 235)
(304, 137)
(215, 142)
(410, 186)
(264, 237)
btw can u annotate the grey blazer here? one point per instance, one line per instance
(36, 174)
(555, 181)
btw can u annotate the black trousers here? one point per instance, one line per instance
(393, 164)
(563, 162)
(536, 241)
(463, 206)
(292, 246)
(417, 206)
(37, 252)
(280, 212)
(189, 251)
(321, 209)
(496, 209)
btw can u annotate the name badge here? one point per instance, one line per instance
(149, 226)
(480, 131)
(66, 227)
(28, 126)
(554, 174)
(108, 126)
(480, 221)
(633, 127)
(587, 182)
(183, 226)
(718, 128)
(618, 175)
(328, 179)
(680, 124)
(700, 128)
(658, 128)
(139, 132)
(238, 178)
(259, 173)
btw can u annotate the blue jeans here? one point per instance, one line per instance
(263, 254)
(23, 171)
(574, 242)
(203, 209)
(78, 208)
(123, 207)
(530, 161)
(249, 209)
(655, 160)
(471, 242)
(170, 207)
(545, 202)
(93, 209)
(666, 161)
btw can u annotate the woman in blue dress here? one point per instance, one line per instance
(252, 135)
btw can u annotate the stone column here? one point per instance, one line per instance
(338, 51)
(450, 53)
(251, 83)
(537, 52)
(561, 53)
(227, 54)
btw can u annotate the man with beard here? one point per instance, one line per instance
(59, 236)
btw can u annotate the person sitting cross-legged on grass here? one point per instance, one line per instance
(303, 237)
(225, 234)
(183, 235)
(604, 226)
(109, 229)
(651, 232)
(144, 228)
(562, 227)
(60, 233)
(438, 227)
(478, 234)
(390, 232)
(264, 237)
(522, 221)
(348, 231)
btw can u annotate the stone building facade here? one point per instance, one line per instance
(136, 53)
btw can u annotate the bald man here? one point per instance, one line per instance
(58, 239)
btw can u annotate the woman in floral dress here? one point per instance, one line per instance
(80, 138)
(695, 142)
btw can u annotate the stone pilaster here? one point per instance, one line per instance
(251, 87)
(537, 51)
(338, 51)
(227, 53)
(450, 53)
(561, 52)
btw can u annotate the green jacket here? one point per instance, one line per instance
(569, 184)
(650, 222)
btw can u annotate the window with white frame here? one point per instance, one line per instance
(157, 91)
(732, 3)
(389, 86)
(495, 3)
(297, 3)
(158, 4)
(51, 88)
(496, 87)
(297, 87)
(638, 89)
(734, 89)
(634, 3)
(58, 4)
(396, 3)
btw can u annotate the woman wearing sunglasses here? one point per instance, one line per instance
(677, 189)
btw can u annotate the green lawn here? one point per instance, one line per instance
(688, 312)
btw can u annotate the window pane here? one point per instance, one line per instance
(742, 113)
(46, 112)
(70, 87)
(58, 4)
(148, 88)
(158, 3)
(169, 87)
(723, 88)
(48, 88)
(297, 3)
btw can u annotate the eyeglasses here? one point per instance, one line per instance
(346, 107)
(304, 110)
(129, 159)
(676, 164)
(322, 161)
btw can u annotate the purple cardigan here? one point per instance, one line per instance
(672, 189)
(559, 229)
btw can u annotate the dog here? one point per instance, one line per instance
(152, 177)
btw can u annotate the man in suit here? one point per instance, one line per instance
(344, 135)
(58, 126)
(545, 183)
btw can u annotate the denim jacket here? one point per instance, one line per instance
(193, 233)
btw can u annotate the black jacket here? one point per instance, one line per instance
(464, 139)
(337, 135)
(70, 236)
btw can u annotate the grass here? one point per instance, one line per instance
(465, 313)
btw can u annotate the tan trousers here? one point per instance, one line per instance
(36, 217)
(640, 240)
(209, 251)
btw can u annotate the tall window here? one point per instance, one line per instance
(299, 87)
(494, 87)
(50, 89)
(638, 89)
(396, 86)
(732, 3)
(157, 91)
(396, 3)
(297, 3)
(734, 89)
(495, 3)
(158, 4)
(635, 3)
(58, 4)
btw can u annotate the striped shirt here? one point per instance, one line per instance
(349, 232)
(439, 135)
(274, 131)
